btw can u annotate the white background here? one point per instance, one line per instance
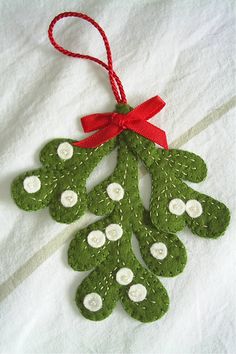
(182, 50)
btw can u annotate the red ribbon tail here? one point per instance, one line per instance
(149, 131)
(102, 136)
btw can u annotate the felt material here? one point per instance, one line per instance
(107, 260)
(176, 258)
(167, 168)
(58, 175)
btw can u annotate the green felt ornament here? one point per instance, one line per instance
(105, 247)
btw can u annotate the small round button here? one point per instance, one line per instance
(115, 191)
(114, 232)
(137, 292)
(96, 238)
(177, 206)
(124, 276)
(69, 198)
(158, 250)
(93, 302)
(194, 208)
(65, 151)
(32, 184)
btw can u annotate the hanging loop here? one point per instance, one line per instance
(115, 82)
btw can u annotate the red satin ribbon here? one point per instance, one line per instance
(112, 124)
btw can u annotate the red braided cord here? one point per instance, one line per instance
(114, 79)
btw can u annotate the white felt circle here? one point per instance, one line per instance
(177, 206)
(69, 198)
(194, 208)
(32, 184)
(115, 191)
(65, 151)
(137, 292)
(114, 232)
(159, 250)
(124, 276)
(96, 238)
(93, 302)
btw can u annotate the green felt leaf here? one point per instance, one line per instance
(83, 257)
(99, 202)
(38, 200)
(214, 219)
(72, 182)
(50, 157)
(183, 164)
(212, 222)
(176, 258)
(81, 158)
(100, 281)
(164, 190)
(156, 302)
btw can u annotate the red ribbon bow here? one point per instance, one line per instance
(112, 124)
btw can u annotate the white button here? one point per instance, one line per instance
(93, 302)
(32, 184)
(159, 250)
(194, 208)
(124, 276)
(69, 198)
(115, 191)
(96, 238)
(114, 232)
(65, 151)
(137, 292)
(177, 206)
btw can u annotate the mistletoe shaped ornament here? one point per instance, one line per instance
(105, 246)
